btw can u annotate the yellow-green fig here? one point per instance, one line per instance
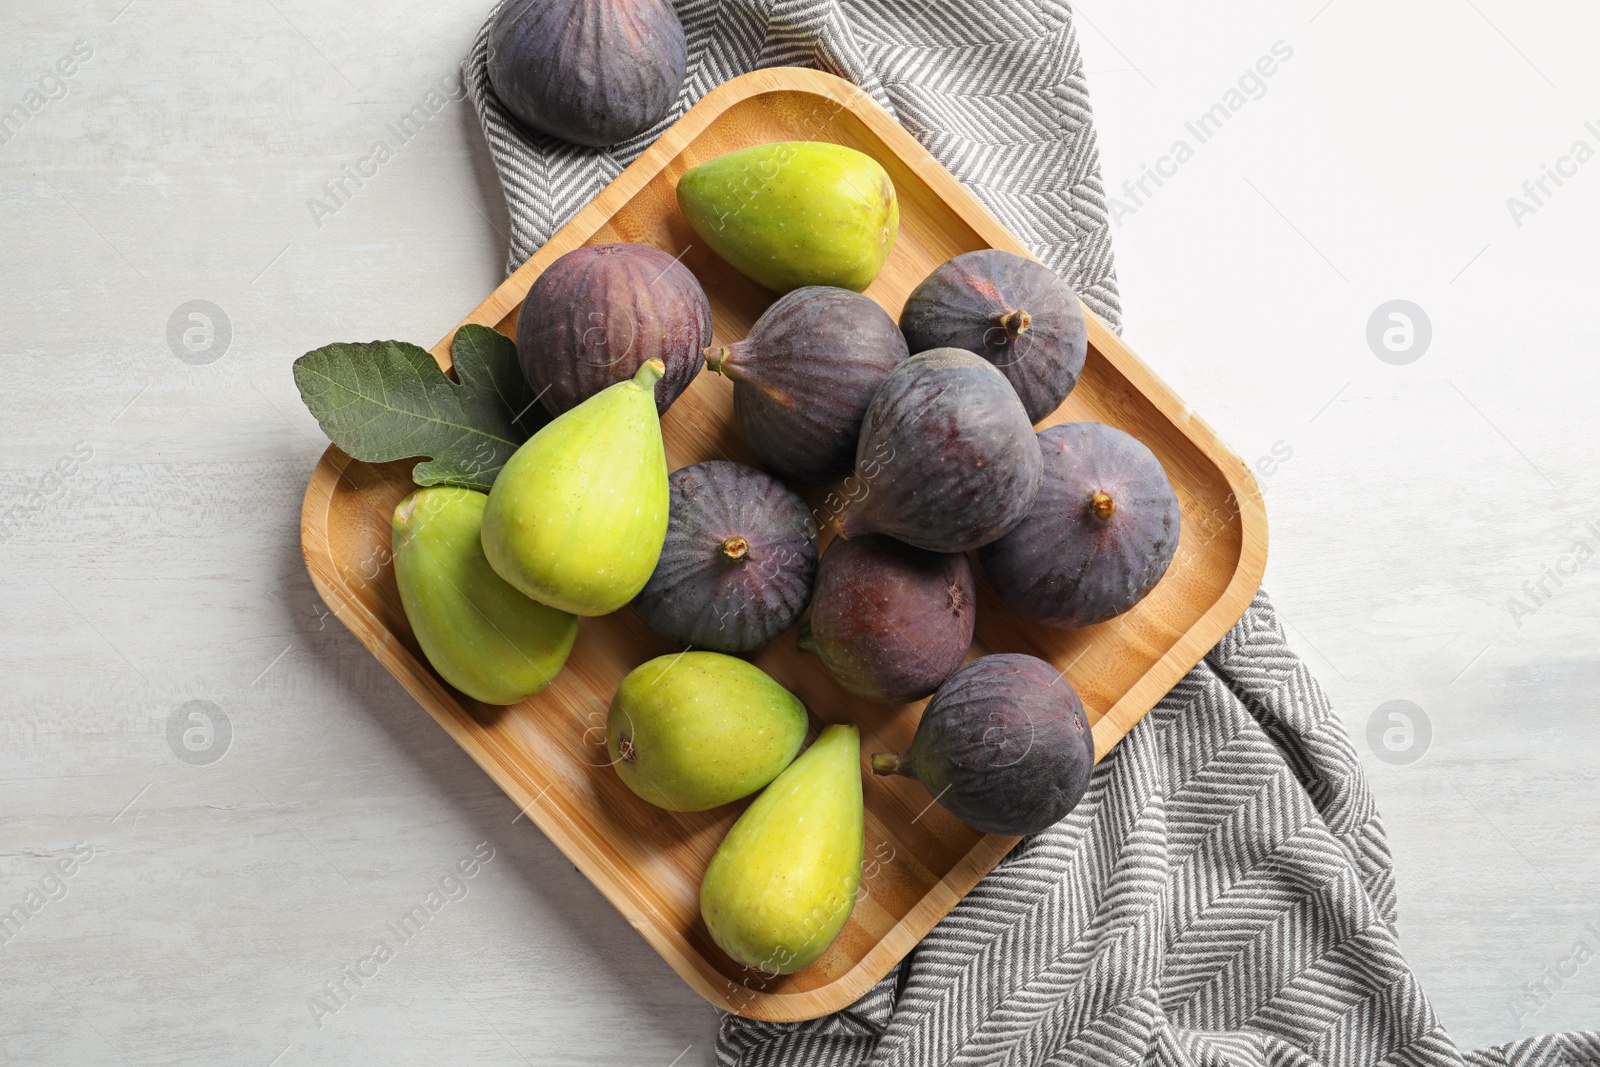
(481, 635)
(783, 883)
(696, 730)
(795, 213)
(577, 516)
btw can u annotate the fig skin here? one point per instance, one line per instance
(593, 72)
(577, 516)
(1014, 312)
(1004, 746)
(794, 213)
(891, 621)
(1101, 533)
(738, 563)
(804, 376)
(692, 731)
(784, 881)
(478, 631)
(598, 313)
(947, 457)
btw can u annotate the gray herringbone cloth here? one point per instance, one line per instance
(1223, 896)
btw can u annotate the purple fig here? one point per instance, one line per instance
(947, 459)
(890, 621)
(804, 376)
(737, 566)
(1004, 746)
(599, 312)
(1014, 312)
(593, 72)
(1100, 535)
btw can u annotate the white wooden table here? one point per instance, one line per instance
(192, 909)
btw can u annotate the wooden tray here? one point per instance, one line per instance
(548, 753)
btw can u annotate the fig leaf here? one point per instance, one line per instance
(389, 400)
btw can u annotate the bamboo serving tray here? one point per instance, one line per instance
(548, 753)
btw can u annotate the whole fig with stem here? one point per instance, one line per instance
(795, 213)
(891, 621)
(738, 563)
(1004, 746)
(1100, 535)
(784, 882)
(1013, 311)
(593, 72)
(803, 378)
(947, 459)
(694, 730)
(480, 633)
(577, 517)
(600, 312)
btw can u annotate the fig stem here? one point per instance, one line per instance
(720, 358)
(625, 748)
(807, 639)
(405, 510)
(717, 357)
(1016, 322)
(736, 548)
(851, 523)
(649, 373)
(1102, 505)
(889, 763)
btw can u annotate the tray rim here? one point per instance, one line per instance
(1113, 725)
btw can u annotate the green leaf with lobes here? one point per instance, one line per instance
(389, 400)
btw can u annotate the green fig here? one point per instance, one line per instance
(795, 213)
(481, 635)
(784, 880)
(577, 516)
(698, 730)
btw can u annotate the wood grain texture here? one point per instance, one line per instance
(548, 753)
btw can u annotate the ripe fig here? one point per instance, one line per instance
(890, 621)
(784, 881)
(1100, 535)
(737, 565)
(481, 634)
(1014, 312)
(795, 213)
(593, 72)
(947, 456)
(599, 312)
(804, 376)
(1004, 746)
(577, 516)
(696, 730)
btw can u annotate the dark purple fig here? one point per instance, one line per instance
(947, 459)
(1014, 312)
(593, 72)
(1004, 746)
(890, 621)
(1102, 531)
(737, 566)
(599, 312)
(804, 376)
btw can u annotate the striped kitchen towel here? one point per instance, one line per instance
(1223, 896)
